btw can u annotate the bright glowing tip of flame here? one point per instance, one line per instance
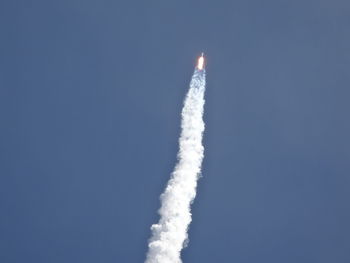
(200, 64)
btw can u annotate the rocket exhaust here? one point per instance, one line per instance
(169, 235)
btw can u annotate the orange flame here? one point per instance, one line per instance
(200, 64)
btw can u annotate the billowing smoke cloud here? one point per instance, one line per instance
(169, 236)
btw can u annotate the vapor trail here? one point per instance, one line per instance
(169, 236)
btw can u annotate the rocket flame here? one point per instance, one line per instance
(200, 64)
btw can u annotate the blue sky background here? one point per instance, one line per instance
(90, 101)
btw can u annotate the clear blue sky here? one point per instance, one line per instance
(90, 101)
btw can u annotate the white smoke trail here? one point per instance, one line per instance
(169, 236)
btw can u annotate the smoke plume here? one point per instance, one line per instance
(169, 235)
